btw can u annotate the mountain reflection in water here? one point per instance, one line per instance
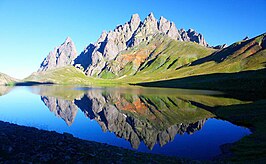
(140, 116)
(165, 121)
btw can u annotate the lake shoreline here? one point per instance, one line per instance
(27, 144)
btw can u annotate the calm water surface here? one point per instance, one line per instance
(165, 121)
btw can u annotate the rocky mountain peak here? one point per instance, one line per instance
(68, 39)
(151, 17)
(60, 56)
(149, 25)
(131, 34)
(134, 21)
(164, 24)
(102, 37)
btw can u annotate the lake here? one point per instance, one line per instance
(174, 122)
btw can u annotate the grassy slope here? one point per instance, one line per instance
(65, 76)
(164, 59)
(240, 56)
(150, 61)
(223, 70)
(242, 81)
(5, 79)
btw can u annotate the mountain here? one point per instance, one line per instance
(5, 79)
(61, 75)
(98, 58)
(159, 54)
(240, 56)
(241, 66)
(60, 56)
(154, 50)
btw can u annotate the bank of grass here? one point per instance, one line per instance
(7, 80)
(247, 81)
(251, 148)
(69, 75)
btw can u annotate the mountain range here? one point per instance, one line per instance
(97, 58)
(146, 51)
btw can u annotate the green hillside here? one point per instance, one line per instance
(254, 80)
(240, 66)
(5, 79)
(240, 56)
(183, 64)
(64, 75)
(159, 55)
(68, 75)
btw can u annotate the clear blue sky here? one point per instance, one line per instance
(30, 29)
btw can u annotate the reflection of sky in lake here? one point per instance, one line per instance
(24, 108)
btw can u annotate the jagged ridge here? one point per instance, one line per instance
(94, 59)
(60, 56)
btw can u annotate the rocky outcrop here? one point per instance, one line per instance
(64, 109)
(263, 43)
(84, 59)
(59, 57)
(193, 36)
(129, 35)
(246, 38)
(220, 46)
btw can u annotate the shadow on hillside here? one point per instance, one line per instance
(221, 55)
(251, 82)
(32, 83)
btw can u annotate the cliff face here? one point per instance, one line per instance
(61, 56)
(96, 57)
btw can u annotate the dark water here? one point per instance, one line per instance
(165, 121)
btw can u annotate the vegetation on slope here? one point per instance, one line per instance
(158, 55)
(5, 79)
(239, 67)
(165, 59)
(242, 81)
(240, 56)
(68, 75)
(61, 75)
